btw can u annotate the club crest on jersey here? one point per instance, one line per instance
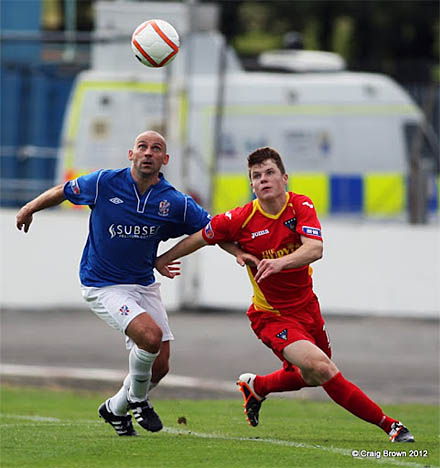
(208, 231)
(75, 186)
(124, 310)
(291, 224)
(312, 231)
(282, 334)
(164, 208)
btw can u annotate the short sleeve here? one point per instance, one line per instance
(308, 224)
(83, 190)
(223, 227)
(194, 216)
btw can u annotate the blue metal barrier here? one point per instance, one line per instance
(32, 107)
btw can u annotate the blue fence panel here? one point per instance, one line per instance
(33, 103)
(346, 194)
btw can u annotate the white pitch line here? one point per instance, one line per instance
(30, 418)
(111, 375)
(287, 443)
(202, 435)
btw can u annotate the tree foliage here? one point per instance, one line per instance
(380, 35)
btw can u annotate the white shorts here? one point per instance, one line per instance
(119, 304)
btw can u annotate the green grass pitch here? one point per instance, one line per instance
(60, 429)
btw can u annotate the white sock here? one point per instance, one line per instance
(140, 363)
(118, 403)
(152, 385)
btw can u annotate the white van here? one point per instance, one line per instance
(346, 137)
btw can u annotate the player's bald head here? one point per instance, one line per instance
(151, 135)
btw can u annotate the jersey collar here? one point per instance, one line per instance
(268, 215)
(161, 181)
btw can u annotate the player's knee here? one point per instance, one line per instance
(326, 371)
(319, 371)
(150, 339)
(155, 338)
(309, 378)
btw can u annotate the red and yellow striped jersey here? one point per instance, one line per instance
(271, 236)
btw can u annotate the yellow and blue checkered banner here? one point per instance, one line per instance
(371, 194)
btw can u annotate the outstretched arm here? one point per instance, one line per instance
(186, 246)
(243, 258)
(165, 262)
(310, 251)
(52, 197)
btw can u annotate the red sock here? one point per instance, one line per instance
(283, 380)
(353, 399)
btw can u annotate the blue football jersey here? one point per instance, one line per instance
(125, 228)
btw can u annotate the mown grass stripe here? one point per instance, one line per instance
(202, 435)
(287, 443)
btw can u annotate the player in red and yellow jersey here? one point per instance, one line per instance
(273, 236)
(281, 235)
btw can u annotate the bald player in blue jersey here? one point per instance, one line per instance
(132, 210)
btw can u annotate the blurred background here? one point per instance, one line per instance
(347, 91)
(242, 63)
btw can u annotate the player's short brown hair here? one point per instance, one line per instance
(261, 154)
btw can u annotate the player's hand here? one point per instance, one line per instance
(245, 258)
(24, 219)
(170, 270)
(268, 267)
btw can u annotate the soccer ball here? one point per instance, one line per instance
(155, 43)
